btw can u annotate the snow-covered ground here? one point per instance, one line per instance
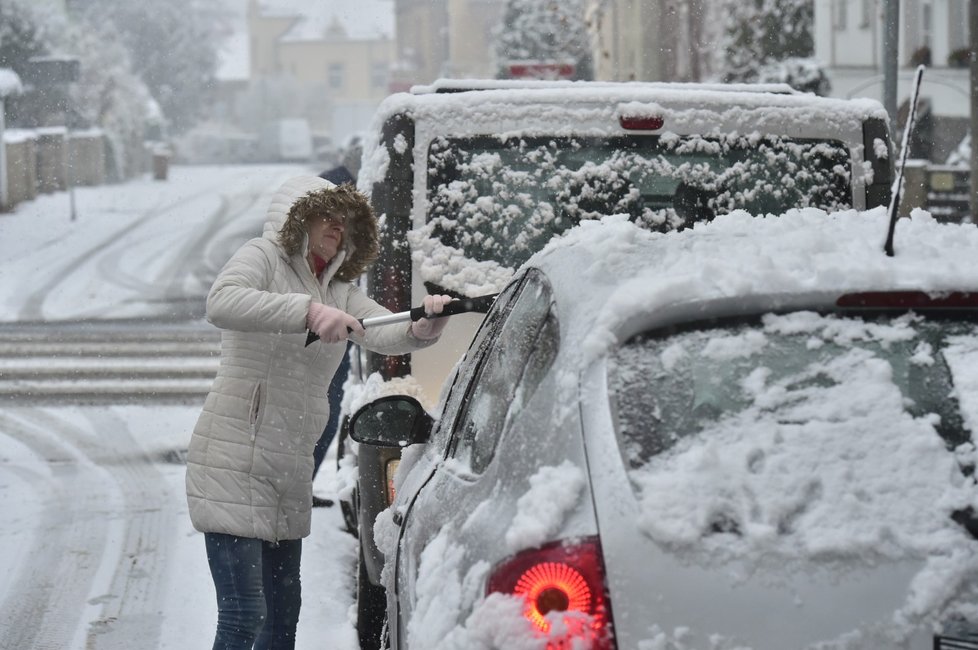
(96, 547)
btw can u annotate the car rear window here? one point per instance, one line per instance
(502, 199)
(802, 369)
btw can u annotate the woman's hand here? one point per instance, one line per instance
(431, 328)
(331, 324)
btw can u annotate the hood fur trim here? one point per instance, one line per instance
(360, 239)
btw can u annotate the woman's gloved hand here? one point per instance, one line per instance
(431, 328)
(330, 323)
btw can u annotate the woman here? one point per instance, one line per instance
(249, 466)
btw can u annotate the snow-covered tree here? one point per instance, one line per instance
(761, 32)
(806, 75)
(544, 30)
(173, 47)
(109, 95)
(25, 33)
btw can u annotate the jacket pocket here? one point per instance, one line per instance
(257, 408)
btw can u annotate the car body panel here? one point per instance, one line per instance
(689, 597)
(610, 281)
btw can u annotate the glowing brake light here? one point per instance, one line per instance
(552, 586)
(389, 471)
(557, 578)
(641, 122)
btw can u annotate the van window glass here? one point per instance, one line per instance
(502, 199)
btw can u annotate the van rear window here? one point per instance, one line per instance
(502, 199)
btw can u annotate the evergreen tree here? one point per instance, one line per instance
(759, 33)
(544, 30)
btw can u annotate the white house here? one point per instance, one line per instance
(849, 42)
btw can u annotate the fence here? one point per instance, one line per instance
(49, 160)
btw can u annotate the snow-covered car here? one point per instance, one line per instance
(754, 434)
(472, 177)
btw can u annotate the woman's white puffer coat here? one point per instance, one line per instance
(250, 461)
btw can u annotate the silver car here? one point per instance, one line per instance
(753, 434)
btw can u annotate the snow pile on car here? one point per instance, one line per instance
(635, 273)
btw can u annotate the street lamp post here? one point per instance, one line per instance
(891, 58)
(973, 38)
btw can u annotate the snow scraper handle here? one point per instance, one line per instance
(479, 304)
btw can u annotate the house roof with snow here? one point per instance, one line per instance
(361, 20)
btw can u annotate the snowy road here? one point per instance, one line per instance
(96, 547)
(143, 248)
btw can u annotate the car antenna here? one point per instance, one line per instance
(905, 149)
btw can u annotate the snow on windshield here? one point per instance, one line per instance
(496, 201)
(512, 167)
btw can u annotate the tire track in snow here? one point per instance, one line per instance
(34, 302)
(124, 518)
(44, 596)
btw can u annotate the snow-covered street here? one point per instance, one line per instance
(96, 548)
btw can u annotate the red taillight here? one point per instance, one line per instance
(389, 477)
(908, 300)
(561, 578)
(641, 122)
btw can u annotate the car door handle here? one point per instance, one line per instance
(398, 518)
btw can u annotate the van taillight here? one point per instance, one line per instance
(561, 578)
(390, 469)
(641, 122)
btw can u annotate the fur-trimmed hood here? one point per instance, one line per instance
(303, 197)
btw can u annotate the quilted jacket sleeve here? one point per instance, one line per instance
(243, 297)
(388, 339)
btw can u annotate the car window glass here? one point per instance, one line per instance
(789, 370)
(511, 369)
(503, 199)
(469, 364)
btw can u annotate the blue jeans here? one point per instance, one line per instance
(258, 591)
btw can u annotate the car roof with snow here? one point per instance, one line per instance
(528, 108)
(483, 97)
(612, 279)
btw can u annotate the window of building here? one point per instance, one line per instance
(841, 14)
(926, 24)
(378, 75)
(866, 13)
(958, 25)
(336, 73)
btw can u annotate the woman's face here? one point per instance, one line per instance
(326, 235)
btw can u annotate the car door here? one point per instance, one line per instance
(507, 360)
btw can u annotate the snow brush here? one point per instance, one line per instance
(480, 304)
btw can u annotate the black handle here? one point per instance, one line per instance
(480, 304)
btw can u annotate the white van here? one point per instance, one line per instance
(471, 178)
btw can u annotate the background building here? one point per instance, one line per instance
(849, 41)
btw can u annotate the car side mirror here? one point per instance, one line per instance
(391, 421)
